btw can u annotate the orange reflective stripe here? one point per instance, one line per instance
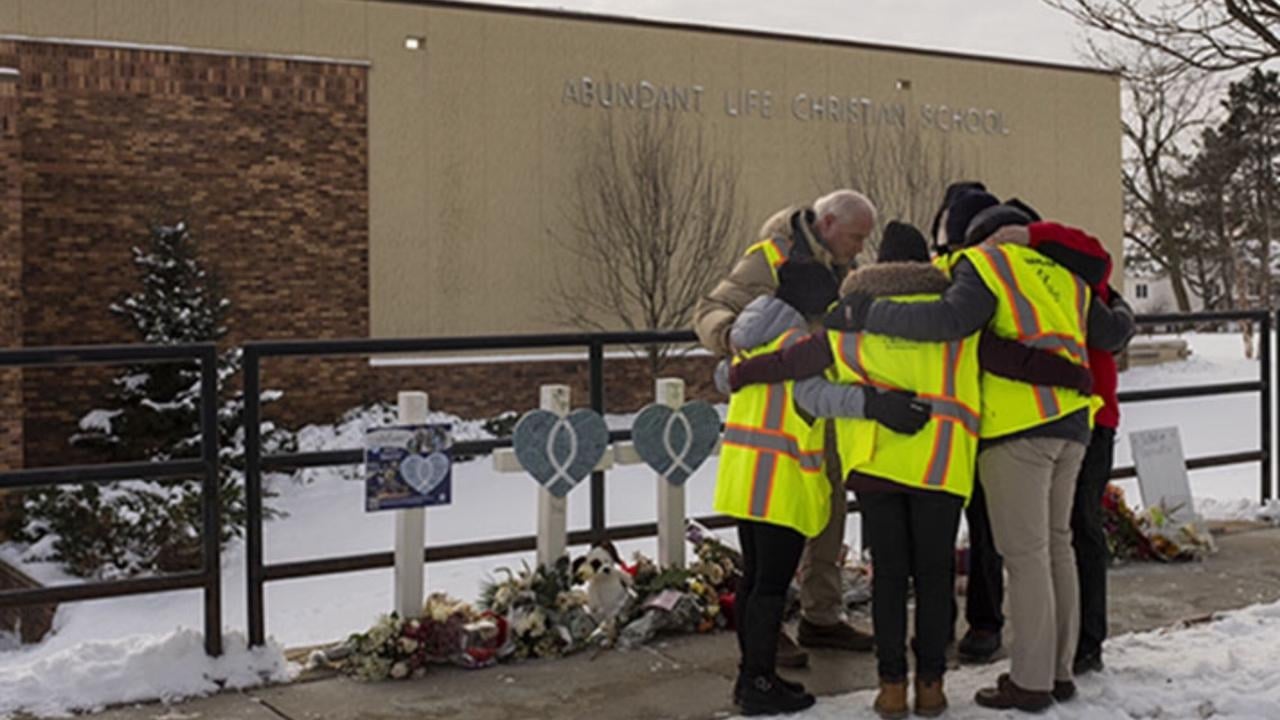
(1027, 320)
(940, 460)
(782, 251)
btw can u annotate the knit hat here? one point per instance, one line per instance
(961, 213)
(985, 223)
(902, 242)
(954, 190)
(1030, 211)
(806, 285)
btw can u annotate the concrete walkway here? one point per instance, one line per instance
(691, 677)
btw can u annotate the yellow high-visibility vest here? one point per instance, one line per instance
(1042, 305)
(776, 250)
(771, 459)
(943, 455)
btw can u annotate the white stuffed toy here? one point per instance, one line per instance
(608, 584)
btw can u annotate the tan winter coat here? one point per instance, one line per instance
(750, 278)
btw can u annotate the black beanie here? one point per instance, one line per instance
(954, 190)
(985, 223)
(962, 212)
(807, 285)
(1030, 211)
(902, 242)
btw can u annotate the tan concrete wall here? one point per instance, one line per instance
(472, 148)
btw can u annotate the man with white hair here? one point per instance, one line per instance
(832, 232)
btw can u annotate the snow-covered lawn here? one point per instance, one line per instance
(1222, 669)
(325, 517)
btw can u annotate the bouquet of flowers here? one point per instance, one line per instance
(546, 615)
(1151, 534)
(449, 631)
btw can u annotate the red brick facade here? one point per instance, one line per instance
(11, 412)
(266, 161)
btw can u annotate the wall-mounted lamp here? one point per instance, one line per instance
(414, 42)
(904, 84)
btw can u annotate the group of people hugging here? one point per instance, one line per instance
(976, 379)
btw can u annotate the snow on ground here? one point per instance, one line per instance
(1222, 669)
(326, 517)
(141, 667)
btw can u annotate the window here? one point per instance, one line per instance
(1140, 291)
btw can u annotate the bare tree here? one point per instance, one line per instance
(1165, 106)
(653, 221)
(1204, 34)
(903, 170)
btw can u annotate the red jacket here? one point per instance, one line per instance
(1084, 255)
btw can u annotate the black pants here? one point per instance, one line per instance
(984, 594)
(913, 537)
(770, 555)
(1090, 541)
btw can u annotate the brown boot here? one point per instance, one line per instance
(789, 654)
(838, 636)
(930, 700)
(891, 702)
(1006, 695)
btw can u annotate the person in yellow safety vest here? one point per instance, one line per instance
(911, 488)
(1033, 437)
(831, 232)
(771, 478)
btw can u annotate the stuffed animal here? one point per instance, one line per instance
(608, 584)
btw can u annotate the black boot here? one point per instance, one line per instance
(790, 686)
(979, 646)
(764, 695)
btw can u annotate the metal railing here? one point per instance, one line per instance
(1262, 386)
(259, 573)
(209, 575)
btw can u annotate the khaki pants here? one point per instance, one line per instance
(821, 589)
(1030, 486)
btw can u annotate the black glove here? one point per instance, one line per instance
(898, 410)
(850, 315)
(808, 286)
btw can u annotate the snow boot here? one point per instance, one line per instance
(891, 701)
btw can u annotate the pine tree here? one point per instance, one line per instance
(153, 412)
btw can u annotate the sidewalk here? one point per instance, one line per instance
(691, 677)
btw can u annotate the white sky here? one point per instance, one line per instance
(1023, 29)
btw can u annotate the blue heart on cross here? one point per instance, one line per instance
(560, 451)
(674, 442)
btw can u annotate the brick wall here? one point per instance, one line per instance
(11, 413)
(266, 160)
(474, 391)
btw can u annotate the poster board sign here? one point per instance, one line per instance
(1162, 472)
(408, 466)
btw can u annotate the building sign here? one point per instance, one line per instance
(589, 92)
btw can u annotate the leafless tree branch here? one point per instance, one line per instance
(652, 221)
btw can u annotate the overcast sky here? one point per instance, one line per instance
(1025, 29)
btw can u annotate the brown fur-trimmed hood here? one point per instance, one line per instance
(895, 278)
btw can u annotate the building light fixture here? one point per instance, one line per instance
(904, 84)
(414, 42)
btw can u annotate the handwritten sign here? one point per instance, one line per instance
(1162, 472)
(408, 466)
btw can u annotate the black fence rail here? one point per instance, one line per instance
(1262, 386)
(259, 573)
(209, 576)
